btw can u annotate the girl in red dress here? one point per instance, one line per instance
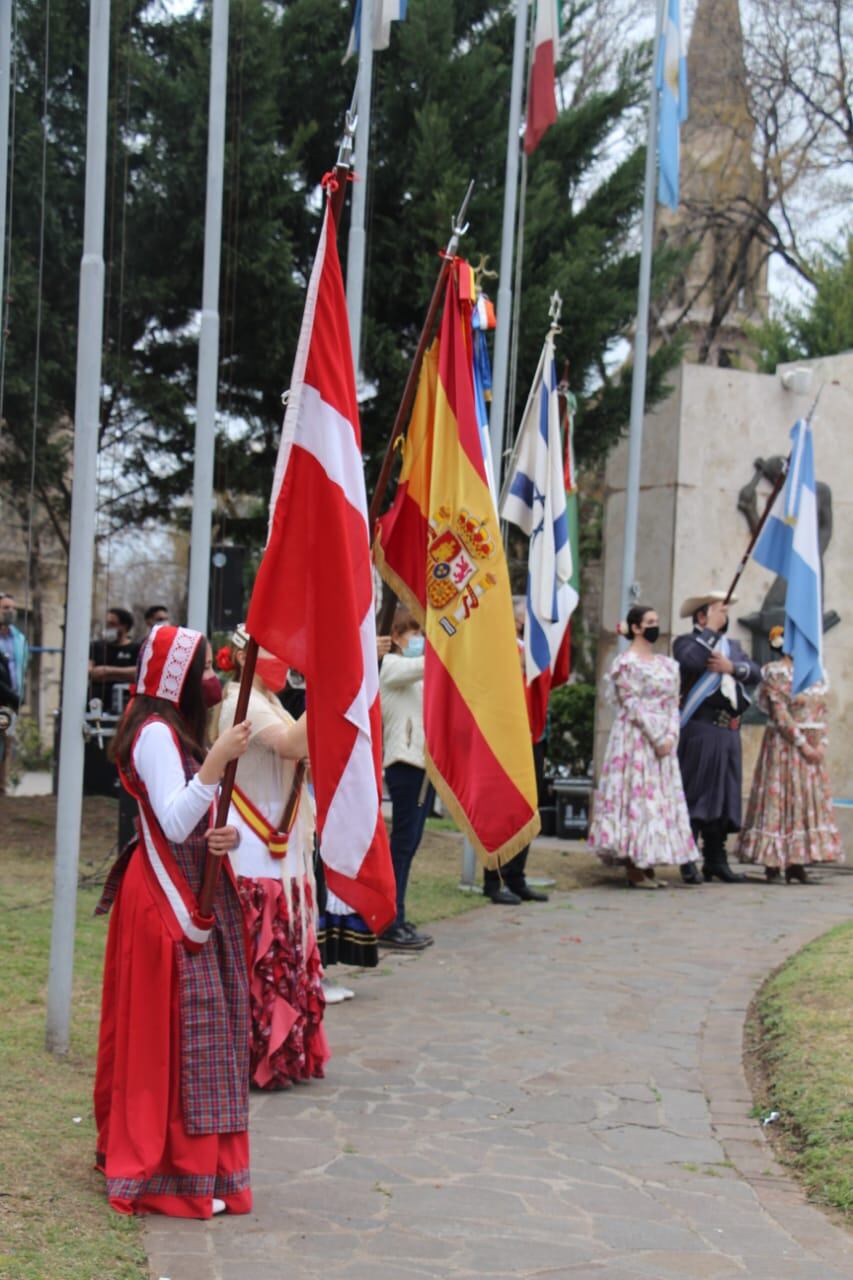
(172, 1081)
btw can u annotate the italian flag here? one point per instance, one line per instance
(541, 93)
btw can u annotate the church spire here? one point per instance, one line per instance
(716, 71)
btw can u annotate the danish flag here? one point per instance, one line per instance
(312, 603)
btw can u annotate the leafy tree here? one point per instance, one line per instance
(823, 326)
(441, 96)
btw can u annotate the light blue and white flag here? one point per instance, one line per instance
(788, 545)
(672, 102)
(534, 498)
(384, 13)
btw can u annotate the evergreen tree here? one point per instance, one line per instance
(823, 326)
(440, 109)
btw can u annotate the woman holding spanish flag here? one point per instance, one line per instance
(274, 815)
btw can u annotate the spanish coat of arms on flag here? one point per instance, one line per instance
(439, 548)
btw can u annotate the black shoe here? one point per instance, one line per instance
(398, 938)
(690, 873)
(723, 872)
(527, 894)
(503, 897)
(796, 871)
(413, 933)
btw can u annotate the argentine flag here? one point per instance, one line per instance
(672, 88)
(788, 545)
(384, 13)
(534, 499)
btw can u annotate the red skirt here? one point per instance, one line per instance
(288, 1040)
(150, 1161)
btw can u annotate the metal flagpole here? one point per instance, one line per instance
(357, 243)
(504, 309)
(87, 406)
(208, 347)
(5, 87)
(630, 589)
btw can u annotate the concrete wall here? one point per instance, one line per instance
(698, 452)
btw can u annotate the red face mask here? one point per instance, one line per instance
(273, 672)
(211, 690)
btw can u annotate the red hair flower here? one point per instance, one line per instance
(225, 659)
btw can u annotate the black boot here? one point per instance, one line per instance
(690, 873)
(724, 871)
(715, 861)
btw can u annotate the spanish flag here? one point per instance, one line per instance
(439, 548)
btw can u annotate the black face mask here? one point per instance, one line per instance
(724, 628)
(651, 633)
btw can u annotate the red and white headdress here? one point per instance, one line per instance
(165, 660)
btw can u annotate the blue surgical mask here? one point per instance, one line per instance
(415, 647)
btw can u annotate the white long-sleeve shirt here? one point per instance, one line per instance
(401, 687)
(178, 805)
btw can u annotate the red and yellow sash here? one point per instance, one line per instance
(276, 841)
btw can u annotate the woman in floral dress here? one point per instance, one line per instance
(789, 823)
(640, 817)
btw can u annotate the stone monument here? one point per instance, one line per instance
(698, 445)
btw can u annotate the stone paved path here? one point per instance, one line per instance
(551, 1091)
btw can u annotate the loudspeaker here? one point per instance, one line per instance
(226, 587)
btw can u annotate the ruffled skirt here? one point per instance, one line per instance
(288, 1041)
(789, 818)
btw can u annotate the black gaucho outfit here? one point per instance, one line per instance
(709, 749)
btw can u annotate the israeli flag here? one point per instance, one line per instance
(788, 545)
(384, 13)
(672, 90)
(534, 499)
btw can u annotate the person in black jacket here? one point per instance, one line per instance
(715, 676)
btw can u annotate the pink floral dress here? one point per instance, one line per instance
(640, 812)
(789, 816)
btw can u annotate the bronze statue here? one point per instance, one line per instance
(772, 611)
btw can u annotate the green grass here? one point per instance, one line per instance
(806, 1023)
(54, 1220)
(433, 892)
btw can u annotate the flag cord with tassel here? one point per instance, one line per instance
(335, 183)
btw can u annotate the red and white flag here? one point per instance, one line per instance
(541, 91)
(312, 603)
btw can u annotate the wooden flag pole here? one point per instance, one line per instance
(765, 515)
(213, 864)
(459, 228)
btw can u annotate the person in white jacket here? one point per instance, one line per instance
(401, 686)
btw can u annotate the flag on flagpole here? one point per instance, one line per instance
(788, 545)
(563, 664)
(439, 548)
(312, 603)
(541, 90)
(672, 88)
(384, 13)
(534, 499)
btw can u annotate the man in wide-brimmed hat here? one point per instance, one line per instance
(715, 676)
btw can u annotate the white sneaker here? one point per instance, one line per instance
(335, 994)
(219, 1206)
